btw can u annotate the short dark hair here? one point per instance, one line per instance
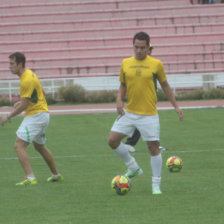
(20, 58)
(142, 36)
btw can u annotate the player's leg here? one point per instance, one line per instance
(49, 159)
(20, 148)
(121, 150)
(114, 139)
(156, 165)
(39, 141)
(132, 141)
(24, 134)
(149, 128)
(134, 138)
(122, 127)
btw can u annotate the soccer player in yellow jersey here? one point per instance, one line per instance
(34, 125)
(132, 141)
(138, 76)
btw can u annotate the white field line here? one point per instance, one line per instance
(102, 110)
(112, 154)
(111, 110)
(188, 107)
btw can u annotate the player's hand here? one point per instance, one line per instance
(5, 118)
(180, 113)
(120, 108)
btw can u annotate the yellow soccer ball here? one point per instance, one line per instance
(121, 184)
(174, 164)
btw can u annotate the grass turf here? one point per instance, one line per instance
(79, 144)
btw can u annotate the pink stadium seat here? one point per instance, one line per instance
(112, 13)
(43, 6)
(107, 32)
(111, 22)
(109, 41)
(203, 48)
(74, 38)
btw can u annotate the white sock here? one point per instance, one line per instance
(31, 178)
(156, 164)
(129, 160)
(55, 176)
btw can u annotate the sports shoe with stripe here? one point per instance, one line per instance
(131, 174)
(26, 181)
(161, 148)
(130, 148)
(57, 179)
(156, 185)
(156, 190)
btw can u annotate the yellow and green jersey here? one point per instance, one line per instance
(31, 88)
(140, 78)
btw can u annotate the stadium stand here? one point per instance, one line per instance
(67, 38)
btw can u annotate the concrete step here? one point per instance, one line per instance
(106, 32)
(139, 21)
(52, 6)
(114, 13)
(115, 58)
(110, 41)
(203, 48)
(106, 64)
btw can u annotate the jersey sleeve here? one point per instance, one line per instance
(26, 88)
(161, 72)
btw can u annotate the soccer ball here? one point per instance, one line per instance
(121, 184)
(174, 164)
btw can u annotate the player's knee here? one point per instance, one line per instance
(16, 147)
(19, 144)
(112, 142)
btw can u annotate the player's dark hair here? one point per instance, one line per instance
(20, 58)
(142, 36)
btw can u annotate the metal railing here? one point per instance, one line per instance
(10, 88)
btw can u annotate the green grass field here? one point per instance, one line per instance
(79, 144)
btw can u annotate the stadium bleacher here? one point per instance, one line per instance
(67, 38)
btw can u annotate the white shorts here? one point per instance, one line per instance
(148, 126)
(33, 128)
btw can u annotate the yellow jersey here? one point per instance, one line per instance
(140, 78)
(31, 88)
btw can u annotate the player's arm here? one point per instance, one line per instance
(120, 98)
(169, 93)
(18, 108)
